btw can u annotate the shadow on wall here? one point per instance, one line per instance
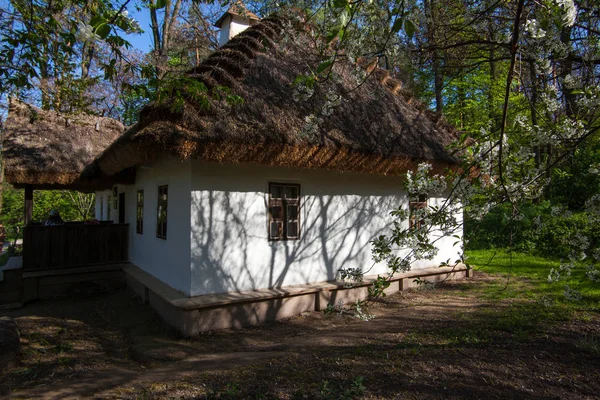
(231, 251)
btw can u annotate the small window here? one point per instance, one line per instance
(161, 219)
(108, 208)
(139, 222)
(101, 208)
(417, 208)
(284, 211)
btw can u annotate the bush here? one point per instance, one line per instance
(539, 230)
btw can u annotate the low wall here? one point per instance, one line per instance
(192, 315)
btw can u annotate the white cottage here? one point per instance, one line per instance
(242, 207)
(244, 211)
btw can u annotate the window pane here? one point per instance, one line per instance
(292, 229)
(291, 192)
(276, 191)
(276, 229)
(277, 212)
(292, 213)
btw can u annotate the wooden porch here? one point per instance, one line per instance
(74, 245)
(64, 260)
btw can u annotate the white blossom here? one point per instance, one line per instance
(534, 29)
(134, 25)
(86, 33)
(569, 11)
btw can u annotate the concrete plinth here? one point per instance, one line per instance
(192, 315)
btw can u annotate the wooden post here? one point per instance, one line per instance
(28, 204)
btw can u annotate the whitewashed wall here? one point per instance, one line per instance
(101, 214)
(168, 260)
(217, 225)
(340, 214)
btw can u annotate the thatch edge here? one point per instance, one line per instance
(271, 154)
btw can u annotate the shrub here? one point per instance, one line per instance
(540, 229)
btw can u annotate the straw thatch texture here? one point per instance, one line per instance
(345, 125)
(46, 149)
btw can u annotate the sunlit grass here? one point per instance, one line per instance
(526, 277)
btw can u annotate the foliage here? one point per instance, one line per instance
(54, 46)
(543, 229)
(65, 202)
(521, 81)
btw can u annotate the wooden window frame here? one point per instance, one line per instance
(101, 208)
(284, 203)
(161, 227)
(421, 203)
(139, 214)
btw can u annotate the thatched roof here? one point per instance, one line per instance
(374, 129)
(238, 9)
(46, 149)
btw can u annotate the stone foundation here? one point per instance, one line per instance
(192, 315)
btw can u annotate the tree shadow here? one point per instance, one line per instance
(230, 248)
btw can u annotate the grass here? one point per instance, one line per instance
(526, 277)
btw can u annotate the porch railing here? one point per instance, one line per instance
(74, 245)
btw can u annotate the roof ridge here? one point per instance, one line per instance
(229, 64)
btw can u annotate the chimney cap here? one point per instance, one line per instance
(239, 9)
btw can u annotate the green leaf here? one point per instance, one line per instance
(97, 20)
(299, 79)
(332, 35)
(103, 31)
(161, 4)
(323, 66)
(340, 3)
(310, 81)
(397, 25)
(409, 28)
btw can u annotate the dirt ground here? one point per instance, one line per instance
(454, 341)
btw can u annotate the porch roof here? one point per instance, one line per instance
(49, 150)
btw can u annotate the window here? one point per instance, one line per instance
(161, 218)
(108, 208)
(417, 209)
(139, 221)
(284, 211)
(101, 208)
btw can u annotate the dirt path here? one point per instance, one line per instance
(420, 345)
(97, 384)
